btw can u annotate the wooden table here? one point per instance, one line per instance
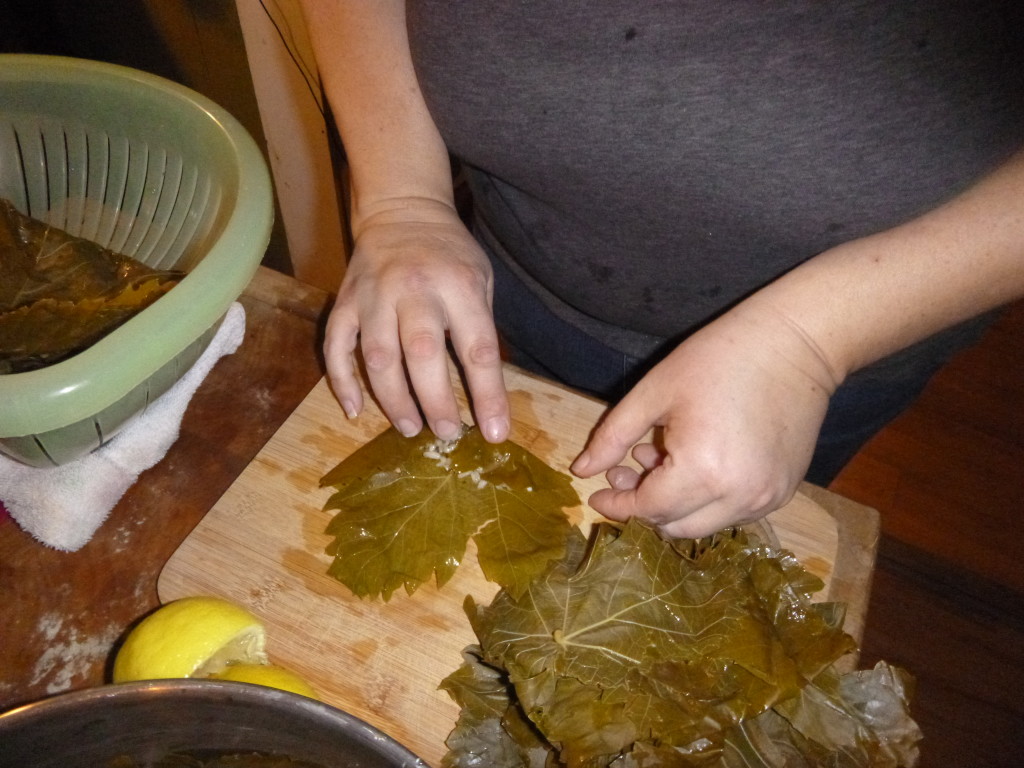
(64, 612)
(60, 612)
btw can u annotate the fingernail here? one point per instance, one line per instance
(407, 427)
(349, 408)
(446, 430)
(495, 429)
(582, 462)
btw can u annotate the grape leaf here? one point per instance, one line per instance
(492, 730)
(59, 293)
(641, 651)
(406, 508)
(858, 720)
(50, 330)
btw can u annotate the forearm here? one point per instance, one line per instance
(395, 154)
(865, 299)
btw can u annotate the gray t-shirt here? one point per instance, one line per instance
(644, 165)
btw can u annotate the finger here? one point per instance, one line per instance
(648, 455)
(623, 478)
(659, 495)
(382, 356)
(704, 522)
(476, 343)
(421, 329)
(618, 504)
(342, 335)
(622, 427)
(681, 521)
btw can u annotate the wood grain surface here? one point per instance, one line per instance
(263, 543)
(63, 613)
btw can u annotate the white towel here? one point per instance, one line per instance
(64, 506)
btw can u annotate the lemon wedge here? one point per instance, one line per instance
(269, 675)
(190, 637)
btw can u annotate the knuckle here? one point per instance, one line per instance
(377, 358)
(764, 496)
(483, 352)
(464, 271)
(752, 494)
(422, 344)
(415, 278)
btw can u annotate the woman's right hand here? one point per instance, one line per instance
(417, 276)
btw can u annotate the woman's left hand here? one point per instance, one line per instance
(736, 410)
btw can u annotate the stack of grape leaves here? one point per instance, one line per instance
(623, 648)
(59, 294)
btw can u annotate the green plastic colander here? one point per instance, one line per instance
(148, 168)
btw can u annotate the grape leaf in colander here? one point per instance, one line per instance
(59, 294)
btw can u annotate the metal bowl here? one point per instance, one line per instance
(145, 722)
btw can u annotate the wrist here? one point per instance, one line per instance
(785, 335)
(420, 209)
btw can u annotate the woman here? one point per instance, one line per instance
(763, 226)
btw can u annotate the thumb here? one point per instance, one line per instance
(622, 428)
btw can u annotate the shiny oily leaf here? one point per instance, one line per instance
(669, 644)
(59, 293)
(50, 330)
(38, 261)
(406, 508)
(491, 730)
(858, 720)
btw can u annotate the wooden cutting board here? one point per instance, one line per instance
(262, 545)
